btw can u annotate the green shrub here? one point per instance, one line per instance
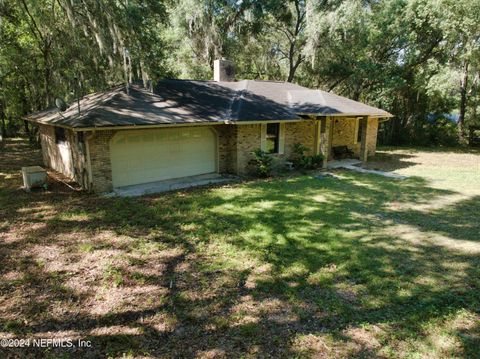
(442, 133)
(262, 163)
(298, 155)
(311, 162)
(303, 162)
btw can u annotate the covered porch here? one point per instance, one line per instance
(354, 135)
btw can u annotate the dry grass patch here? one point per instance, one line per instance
(354, 266)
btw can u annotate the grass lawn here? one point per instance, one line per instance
(356, 266)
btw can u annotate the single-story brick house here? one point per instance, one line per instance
(132, 135)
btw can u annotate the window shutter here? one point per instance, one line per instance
(281, 138)
(263, 136)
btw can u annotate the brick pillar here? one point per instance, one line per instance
(100, 161)
(325, 139)
(364, 144)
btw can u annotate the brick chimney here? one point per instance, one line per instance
(223, 70)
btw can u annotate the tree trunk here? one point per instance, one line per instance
(27, 129)
(46, 78)
(291, 73)
(3, 126)
(293, 67)
(295, 57)
(463, 102)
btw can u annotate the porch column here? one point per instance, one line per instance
(363, 144)
(324, 139)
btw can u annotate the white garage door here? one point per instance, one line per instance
(143, 156)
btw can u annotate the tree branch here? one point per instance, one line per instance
(34, 29)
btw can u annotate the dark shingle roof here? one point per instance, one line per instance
(223, 101)
(187, 101)
(139, 107)
(326, 103)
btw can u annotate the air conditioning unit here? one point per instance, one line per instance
(34, 177)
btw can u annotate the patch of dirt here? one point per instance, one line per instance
(139, 277)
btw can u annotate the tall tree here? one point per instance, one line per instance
(462, 31)
(57, 48)
(414, 58)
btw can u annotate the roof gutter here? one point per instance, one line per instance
(382, 118)
(168, 125)
(48, 124)
(253, 122)
(140, 127)
(387, 116)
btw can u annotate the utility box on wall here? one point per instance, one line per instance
(34, 177)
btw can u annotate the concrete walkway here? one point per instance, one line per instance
(353, 165)
(342, 163)
(169, 185)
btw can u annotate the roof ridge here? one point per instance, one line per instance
(240, 95)
(229, 111)
(355, 101)
(320, 92)
(274, 81)
(104, 98)
(289, 99)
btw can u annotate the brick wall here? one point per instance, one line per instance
(300, 132)
(99, 147)
(227, 148)
(247, 140)
(372, 132)
(235, 144)
(344, 134)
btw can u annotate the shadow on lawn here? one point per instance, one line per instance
(332, 264)
(433, 149)
(388, 161)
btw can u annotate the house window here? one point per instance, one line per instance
(272, 137)
(59, 135)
